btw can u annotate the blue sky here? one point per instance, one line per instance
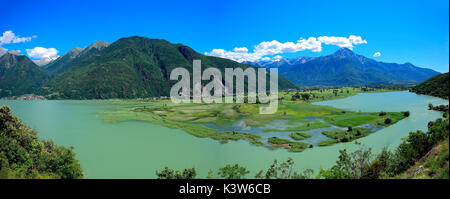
(401, 31)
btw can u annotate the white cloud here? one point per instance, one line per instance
(275, 47)
(237, 56)
(310, 44)
(45, 55)
(377, 54)
(342, 42)
(356, 40)
(241, 50)
(41, 52)
(9, 37)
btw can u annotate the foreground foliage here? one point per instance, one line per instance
(176, 174)
(23, 155)
(415, 149)
(283, 170)
(420, 155)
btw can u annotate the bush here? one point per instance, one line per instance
(405, 113)
(346, 138)
(233, 172)
(373, 170)
(388, 121)
(389, 164)
(438, 131)
(382, 113)
(405, 157)
(420, 142)
(167, 173)
(349, 165)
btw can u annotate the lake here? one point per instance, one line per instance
(137, 149)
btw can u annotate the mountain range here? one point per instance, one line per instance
(139, 67)
(346, 68)
(73, 56)
(19, 75)
(133, 67)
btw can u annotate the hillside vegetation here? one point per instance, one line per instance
(433, 165)
(73, 56)
(23, 155)
(419, 148)
(420, 156)
(19, 75)
(436, 86)
(135, 67)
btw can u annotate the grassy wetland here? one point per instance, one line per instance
(297, 124)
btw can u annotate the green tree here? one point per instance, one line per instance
(285, 170)
(349, 166)
(167, 173)
(419, 142)
(305, 96)
(233, 172)
(349, 129)
(388, 121)
(406, 113)
(373, 170)
(23, 155)
(295, 97)
(438, 131)
(210, 174)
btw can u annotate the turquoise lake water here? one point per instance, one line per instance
(138, 149)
